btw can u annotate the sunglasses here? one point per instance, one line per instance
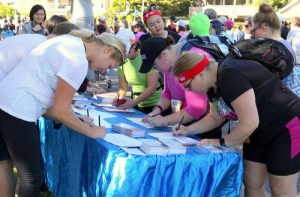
(153, 7)
(188, 86)
(253, 30)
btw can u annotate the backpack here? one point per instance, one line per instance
(201, 43)
(270, 53)
(223, 40)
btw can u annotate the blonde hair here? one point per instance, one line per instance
(105, 39)
(186, 61)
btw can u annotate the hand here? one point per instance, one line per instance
(97, 132)
(44, 24)
(129, 103)
(181, 131)
(156, 121)
(37, 27)
(86, 119)
(95, 90)
(210, 142)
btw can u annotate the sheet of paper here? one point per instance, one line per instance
(186, 141)
(133, 151)
(162, 135)
(138, 120)
(122, 140)
(113, 109)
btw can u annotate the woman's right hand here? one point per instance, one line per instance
(181, 131)
(97, 132)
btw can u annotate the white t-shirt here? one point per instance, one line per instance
(14, 49)
(28, 91)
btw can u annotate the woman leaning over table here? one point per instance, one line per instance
(269, 123)
(44, 84)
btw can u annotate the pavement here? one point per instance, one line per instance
(112, 92)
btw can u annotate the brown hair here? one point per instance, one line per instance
(297, 21)
(64, 28)
(187, 61)
(266, 15)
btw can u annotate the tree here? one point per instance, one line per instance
(6, 10)
(277, 4)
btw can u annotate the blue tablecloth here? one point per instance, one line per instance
(76, 165)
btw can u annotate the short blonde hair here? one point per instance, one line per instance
(105, 39)
(188, 60)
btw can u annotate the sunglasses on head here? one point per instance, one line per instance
(153, 7)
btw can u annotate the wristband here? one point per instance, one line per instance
(222, 142)
(158, 106)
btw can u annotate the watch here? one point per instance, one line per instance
(222, 142)
(159, 107)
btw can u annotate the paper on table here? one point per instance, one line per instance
(103, 115)
(112, 109)
(133, 151)
(138, 121)
(186, 141)
(122, 140)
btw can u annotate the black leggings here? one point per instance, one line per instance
(20, 142)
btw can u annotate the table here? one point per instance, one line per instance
(76, 165)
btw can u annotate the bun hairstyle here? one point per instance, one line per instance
(170, 41)
(266, 15)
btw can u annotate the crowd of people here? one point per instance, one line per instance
(172, 82)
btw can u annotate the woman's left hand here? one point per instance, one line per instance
(127, 105)
(209, 142)
(156, 121)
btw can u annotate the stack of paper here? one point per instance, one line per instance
(128, 130)
(122, 140)
(186, 141)
(173, 146)
(153, 147)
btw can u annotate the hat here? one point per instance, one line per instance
(150, 50)
(181, 23)
(229, 24)
(199, 25)
(127, 37)
(102, 18)
(217, 25)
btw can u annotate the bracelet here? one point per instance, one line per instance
(222, 142)
(158, 106)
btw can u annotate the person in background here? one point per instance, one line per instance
(100, 28)
(180, 26)
(211, 13)
(248, 27)
(139, 30)
(43, 84)
(53, 21)
(269, 118)
(228, 25)
(172, 25)
(102, 20)
(239, 34)
(37, 22)
(155, 24)
(284, 30)
(294, 39)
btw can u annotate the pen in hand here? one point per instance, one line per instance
(180, 123)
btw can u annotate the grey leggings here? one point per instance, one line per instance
(19, 141)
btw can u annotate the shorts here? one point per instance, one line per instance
(281, 153)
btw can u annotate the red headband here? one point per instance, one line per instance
(183, 77)
(150, 13)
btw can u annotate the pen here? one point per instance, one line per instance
(180, 123)
(155, 115)
(99, 121)
(87, 113)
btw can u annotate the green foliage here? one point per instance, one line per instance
(6, 10)
(277, 4)
(168, 7)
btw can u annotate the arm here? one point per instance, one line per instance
(123, 86)
(209, 122)
(246, 110)
(61, 111)
(152, 79)
(171, 119)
